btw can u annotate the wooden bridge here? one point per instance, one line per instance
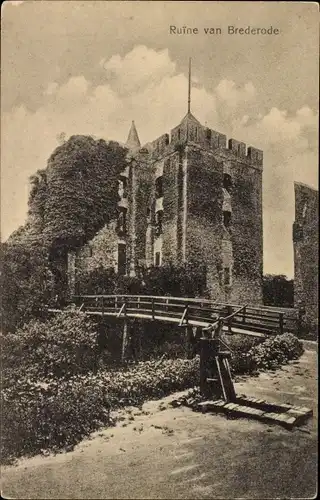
(216, 384)
(193, 312)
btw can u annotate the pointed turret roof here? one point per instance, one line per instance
(133, 141)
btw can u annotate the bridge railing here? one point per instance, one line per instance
(193, 311)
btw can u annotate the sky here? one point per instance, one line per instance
(87, 67)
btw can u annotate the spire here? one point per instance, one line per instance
(189, 86)
(133, 138)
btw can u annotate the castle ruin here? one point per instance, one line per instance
(187, 196)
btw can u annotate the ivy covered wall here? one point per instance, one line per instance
(306, 251)
(246, 233)
(204, 215)
(170, 207)
(143, 200)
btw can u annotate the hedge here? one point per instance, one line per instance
(37, 416)
(56, 414)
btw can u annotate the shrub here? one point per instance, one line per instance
(63, 346)
(276, 351)
(97, 281)
(60, 412)
(185, 280)
(277, 291)
(269, 354)
(57, 414)
(26, 283)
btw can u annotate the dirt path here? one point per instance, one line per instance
(177, 453)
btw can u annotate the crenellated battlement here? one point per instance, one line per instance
(237, 147)
(255, 155)
(191, 131)
(214, 139)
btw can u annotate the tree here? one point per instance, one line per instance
(26, 284)
(277, 291)
(70, 200)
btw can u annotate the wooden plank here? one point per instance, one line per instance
(222, 381)
(237, 410)
(124, 341)
(228, 379)
(152, 307)
(121, 310)
(289, 312)
(184, 316)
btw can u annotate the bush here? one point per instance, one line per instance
(26, 284)
(269, 354)
(39, 416)
(185, 280)
(97, 281)
(277, 291)
(61, 347)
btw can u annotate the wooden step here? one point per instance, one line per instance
(288, 419)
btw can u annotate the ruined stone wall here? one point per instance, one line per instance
(143, 199)
(192, 165)
(170, 208)
(204, 215)
(246, 233)
(306, 251)
(100, 251)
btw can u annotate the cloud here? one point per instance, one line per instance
(144, 85)
(289, 155)
(231, 95)
(139, 69)
(51, 88)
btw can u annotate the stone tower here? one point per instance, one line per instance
(191, 196)
(201, 201)
(306, 251)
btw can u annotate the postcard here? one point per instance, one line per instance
(159, 222)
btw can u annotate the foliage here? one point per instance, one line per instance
(52, 416)
(97, 281)
(184, 280)
(270, 354)
(63, 346)
(26, 284)
(277, 291)
(82, 194)
(57, 413)
(129, 285)
(70, 200)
